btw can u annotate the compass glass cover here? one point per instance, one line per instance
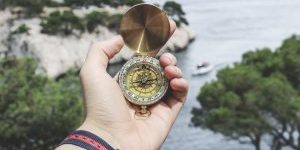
(143, 82)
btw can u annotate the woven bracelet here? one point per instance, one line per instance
(86, 140)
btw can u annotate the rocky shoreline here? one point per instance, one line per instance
(57, 54)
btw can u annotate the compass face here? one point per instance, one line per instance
(142, 80)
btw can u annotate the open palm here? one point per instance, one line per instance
(112, 117)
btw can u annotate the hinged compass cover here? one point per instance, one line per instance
(145, 28)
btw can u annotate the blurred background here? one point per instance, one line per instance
(241, 58)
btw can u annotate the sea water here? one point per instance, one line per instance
(225, 30)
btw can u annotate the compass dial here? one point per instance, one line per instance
(142, 80)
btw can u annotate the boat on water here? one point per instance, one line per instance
(202, 68)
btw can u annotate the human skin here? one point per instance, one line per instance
(111, 117)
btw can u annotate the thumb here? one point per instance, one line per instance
(100, 52)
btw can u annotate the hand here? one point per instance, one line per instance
(110, 116)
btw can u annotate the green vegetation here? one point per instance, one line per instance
(35, 7)
(132, 2)
(31, 7)
(94, 19)
(259, 96)
(65, 23)
(102, 18)
(176, 12)
(80, 3)
(36, 112)
(100, 3)
(114, 22)
(21, 29)
(68, 23)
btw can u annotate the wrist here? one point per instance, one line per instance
(93, 127)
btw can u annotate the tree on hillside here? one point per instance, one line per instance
(21, 29)
(256, 97)
(80, 3)
(226, 109)
(64, 23)
(31, 7)
(100, 3)
(175, 10)
(133, 2)
(36, 112)
(96, 18)
(290, 53)
(264, 60)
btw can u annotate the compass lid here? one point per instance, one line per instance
(145, 28)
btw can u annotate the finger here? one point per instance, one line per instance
(172, 72)
(172, 26)
(100, 52)
(179, 89)
(167, 59)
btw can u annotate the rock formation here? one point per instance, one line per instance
(56, 54)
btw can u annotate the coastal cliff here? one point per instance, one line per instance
(57, 53)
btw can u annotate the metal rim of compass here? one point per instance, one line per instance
(155, 64)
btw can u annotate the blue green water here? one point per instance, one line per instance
(225, 30)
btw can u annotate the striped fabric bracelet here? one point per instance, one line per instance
(86, 140)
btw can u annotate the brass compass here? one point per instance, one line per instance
(145, 29)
